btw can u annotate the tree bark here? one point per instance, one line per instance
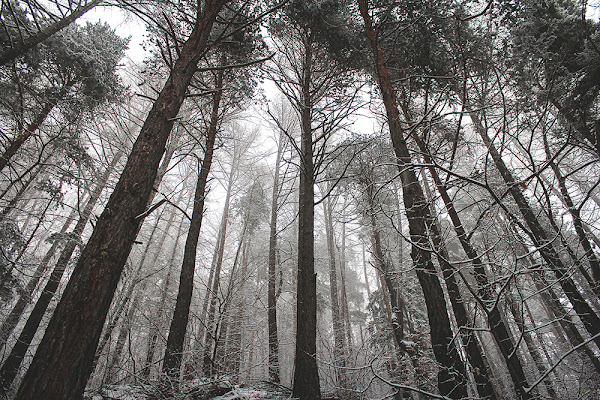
(306, 374)
(64, 359)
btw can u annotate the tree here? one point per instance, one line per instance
(18, 32)
(76, 325)
(451, 377)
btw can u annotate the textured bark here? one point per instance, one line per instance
(271, 290)
(451, 375)
(64, 359)
(179, 322)
(544, 244)
(10, 367)
(306, 374)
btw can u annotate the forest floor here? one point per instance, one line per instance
(198, 389)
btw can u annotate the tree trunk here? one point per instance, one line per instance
(153, 335)
(540, 238)
(488, 301)
(306, 374)
(576, 215)
(9, 323)
(343, 294)
(9, 54)
(212, 291)
(451, 375)
(271, 291)
(64, 359)
(34, 125)
(179, 322)
(339, 338)
(11, 365)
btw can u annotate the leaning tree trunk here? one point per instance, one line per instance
(576, 216)
(9, 323)
(500, 331)
(154, 332)
(34, 125)
(452, 374)
(543, 243)
(10, 368)
(64, 359)
(179, 323)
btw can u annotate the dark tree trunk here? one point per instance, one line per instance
(64, 359)
(451, 375)
(499, 329)
(10, 368)
(154, 332)
(306, 374)
(179, 322)
(576, 215)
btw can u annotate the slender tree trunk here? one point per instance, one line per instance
(499, 329)
(306, 374)
(339, 338)
(451, 375)
(15, 51)
(540, 238)
(34, 125)
(343, 294)
(209, 338)
(364, 262)
(517, 312)
(153, 335)
(10, 368)
(64, 359)
(576, 215)
(179, 322)
(271, 290)
(9, 323)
